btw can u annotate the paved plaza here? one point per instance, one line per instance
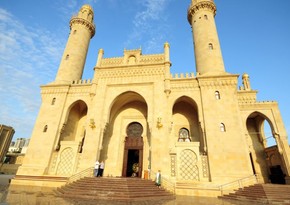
(48, 198)
(39, 198)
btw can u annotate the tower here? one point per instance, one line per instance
(82, 29)
(208, 55)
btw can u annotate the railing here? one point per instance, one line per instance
(165, 182)
(89, 172)
(240, 183)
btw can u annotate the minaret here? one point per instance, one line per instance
(82, 29)
(208, 55)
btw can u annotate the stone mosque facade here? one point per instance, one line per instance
(200, 129)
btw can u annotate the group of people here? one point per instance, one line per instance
(99, 168)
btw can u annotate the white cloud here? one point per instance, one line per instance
(29, 57)
(153, 11)
(150, 23)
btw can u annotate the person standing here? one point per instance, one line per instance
(101, 169)
(96, 168)
(158, 179)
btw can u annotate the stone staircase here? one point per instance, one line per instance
(261, 194)
(113, 189)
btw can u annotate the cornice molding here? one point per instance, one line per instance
(132, 72)
(218, 83)
(204, 5)
(90, 26)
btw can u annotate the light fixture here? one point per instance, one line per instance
(159, 123)
(92, 123)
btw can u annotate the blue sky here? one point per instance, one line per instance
(254, 37)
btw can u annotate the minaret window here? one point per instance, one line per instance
(210, 46)
(90, 17)
(67, 57)
(45, 128)
(75, 31)
(205, 17)
(217, 95)
(222, 127)
(53, 101)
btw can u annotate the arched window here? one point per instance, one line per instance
(217, 95)
(210, 46)
(75, 31)
(53, 101)
(134, 129)
(222, 127)
(45, 128)
(67, 57)
(183, 135)
(131, 60)
(205, 17)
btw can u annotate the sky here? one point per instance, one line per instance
(254, 38)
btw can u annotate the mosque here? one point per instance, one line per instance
(200, 129)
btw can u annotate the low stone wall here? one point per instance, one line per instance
(9, 168)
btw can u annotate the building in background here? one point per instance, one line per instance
(6, 135)
(14, 157)
(199, 129)
(18, 145)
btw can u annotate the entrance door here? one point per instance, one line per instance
(133, 151)
(277, 176)
(133, 163)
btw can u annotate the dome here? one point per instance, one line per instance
(245, 75)
(87, 7)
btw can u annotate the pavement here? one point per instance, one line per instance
(5, 179)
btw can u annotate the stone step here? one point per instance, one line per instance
(91, 188)
(267, 193)
(115, 192)
(116, 199)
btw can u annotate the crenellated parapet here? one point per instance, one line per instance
(82, 82)
(132, 64)
(182, 75)
(132, 59)
(81, 87)
(247, 96)
(200, 5)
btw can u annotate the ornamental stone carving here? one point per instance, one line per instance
(89, 25)
(205, 5)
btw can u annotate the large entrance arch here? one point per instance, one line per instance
(125, 142)
(264, 155)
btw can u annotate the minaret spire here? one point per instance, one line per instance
(208, 55)
(74, 56)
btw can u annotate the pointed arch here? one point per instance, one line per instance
(74, 126)
(126, 108)
(185, 115)
(257, 142)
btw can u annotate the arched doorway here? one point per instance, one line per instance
(133, 151)
(265, 158)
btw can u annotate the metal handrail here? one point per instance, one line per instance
(166, 183)
(240, 183)
(89, 172)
